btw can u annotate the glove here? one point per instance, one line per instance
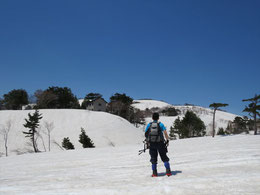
(147, 145)
(167, 143)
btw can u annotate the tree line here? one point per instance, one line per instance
(119, 104)
(192, 126)
(62, 97)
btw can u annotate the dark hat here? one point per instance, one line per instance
(155, 116)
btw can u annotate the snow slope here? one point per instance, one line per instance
(148, 104)
(103, 128)
(220, 165)
(205, 114)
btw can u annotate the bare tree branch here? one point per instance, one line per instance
(4, 130)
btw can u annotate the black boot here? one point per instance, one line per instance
(155, 174)
(168, 172)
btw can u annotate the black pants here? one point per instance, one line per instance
(156, 148)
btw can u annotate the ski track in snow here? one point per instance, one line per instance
(220, 165)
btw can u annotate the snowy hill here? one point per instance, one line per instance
(148, 104)
(103, 128)
(205, 114)
(220, 165)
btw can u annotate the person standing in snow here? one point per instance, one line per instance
(155, 133)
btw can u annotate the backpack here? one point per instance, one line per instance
(154, 133)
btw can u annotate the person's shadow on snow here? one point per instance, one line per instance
(173, 173)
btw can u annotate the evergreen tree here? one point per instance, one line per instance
(1, 104)
(15, 99)
(174, 128)
(240, 125)
(215, 107)
(32, 124)
(56, 97)
(250, 124)
(67, 144)
(221, 131)
(85, 140)
(253, 109)
(190, 126)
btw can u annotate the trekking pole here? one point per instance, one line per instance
(145, 148)
(166, 145)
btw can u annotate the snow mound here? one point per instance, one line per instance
(103, 128)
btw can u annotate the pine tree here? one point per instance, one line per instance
(67, 144)
(215, 107)
(253, 109)
(32, 124)
(15, 99)
(239, 125)
(56, 97)
(85, 140)
(190, 126)
(221, 131)
(174, 128)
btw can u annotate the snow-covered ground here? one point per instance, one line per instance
(220, 165)
(103, 128)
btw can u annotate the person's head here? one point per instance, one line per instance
(155, 116)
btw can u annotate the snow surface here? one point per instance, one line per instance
(103, 128)
(220, 165)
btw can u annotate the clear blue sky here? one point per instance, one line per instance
(182, 51)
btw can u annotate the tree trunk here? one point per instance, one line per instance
(255, 124)
(49, 141)
(33, 142)
(213, 132)
(6, 149)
